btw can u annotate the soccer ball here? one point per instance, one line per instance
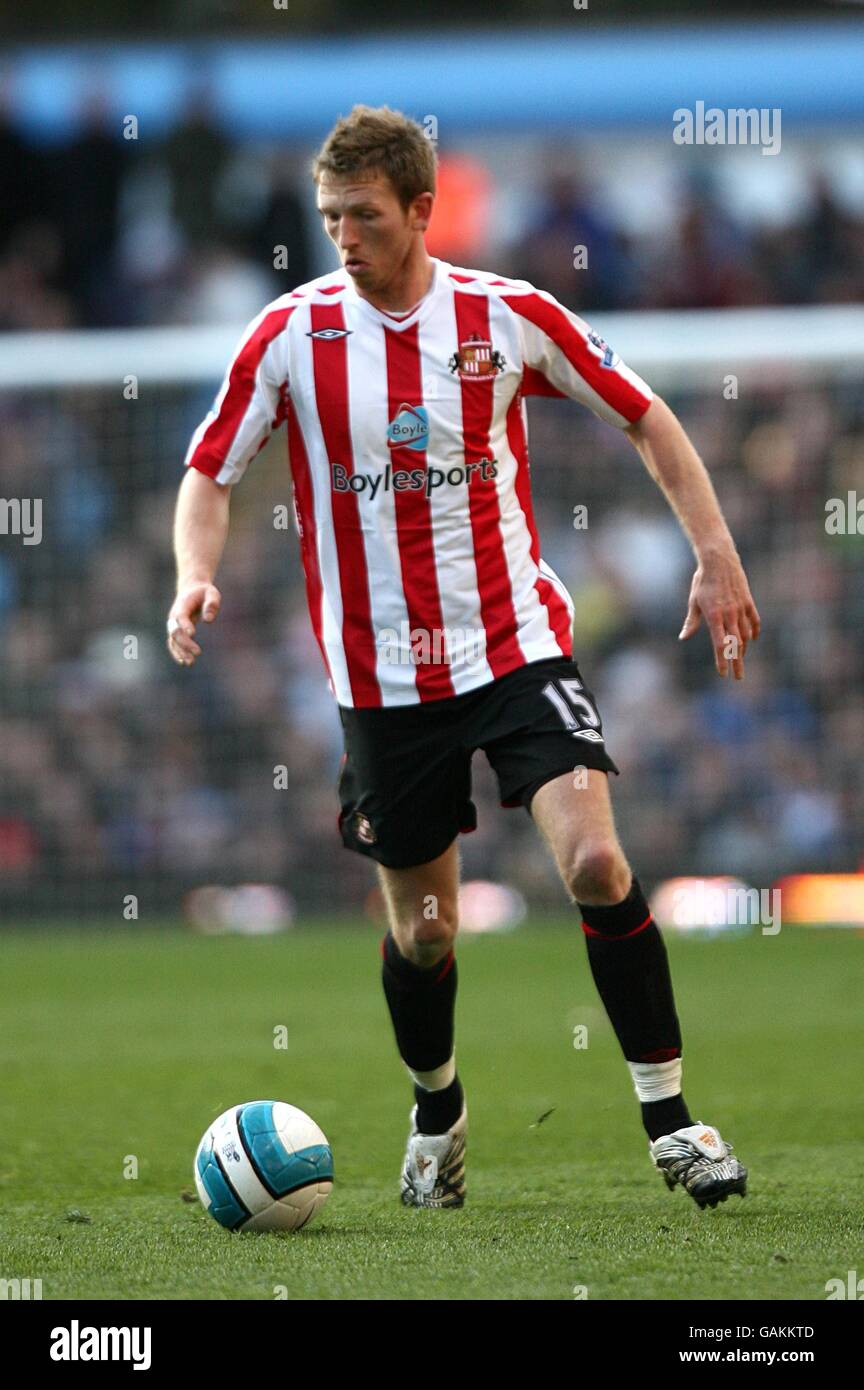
(263, 1166)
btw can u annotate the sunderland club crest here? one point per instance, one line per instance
(476, 359)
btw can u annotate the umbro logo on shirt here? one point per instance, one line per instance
(328, 334)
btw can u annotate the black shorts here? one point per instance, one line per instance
(405, 775)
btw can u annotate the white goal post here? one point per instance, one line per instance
(122, 770)
(684, 349)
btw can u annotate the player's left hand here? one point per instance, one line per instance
(720, 593)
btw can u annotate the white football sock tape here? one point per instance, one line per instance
(656, 1080)
(435, 1080)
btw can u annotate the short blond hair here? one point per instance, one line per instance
(374, 139)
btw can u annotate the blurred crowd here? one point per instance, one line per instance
(122, 773)
(708, 258)
(111, 229)
(114, 228)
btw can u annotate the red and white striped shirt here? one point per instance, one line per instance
(408, 449)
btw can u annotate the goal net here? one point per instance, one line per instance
(124, 778)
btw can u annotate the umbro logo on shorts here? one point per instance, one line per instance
(363, 829)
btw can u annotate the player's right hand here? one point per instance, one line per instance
(195, 601)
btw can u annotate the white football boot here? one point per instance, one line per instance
(704, 1165)
(433, 1174)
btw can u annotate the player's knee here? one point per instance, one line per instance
(599, 873)
(431, 933)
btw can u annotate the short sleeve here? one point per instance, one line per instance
(563, 356)
(251, 403)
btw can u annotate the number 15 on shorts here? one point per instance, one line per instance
(578, 714)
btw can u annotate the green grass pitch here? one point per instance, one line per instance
(129, 1043)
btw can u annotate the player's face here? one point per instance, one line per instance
(369, 227)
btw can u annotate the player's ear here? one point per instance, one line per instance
(420, 211)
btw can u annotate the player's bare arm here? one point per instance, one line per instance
(719, 592)
(200, 531)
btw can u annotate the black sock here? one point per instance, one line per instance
(438, 1110)
(664, 1116)
(631, 971)
(422, 1002)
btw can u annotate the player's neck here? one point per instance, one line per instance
(406, 289)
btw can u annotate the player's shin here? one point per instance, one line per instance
(631, 971)
(422, 1003)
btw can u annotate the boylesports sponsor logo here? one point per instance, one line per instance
(409, 428)
(425, 480)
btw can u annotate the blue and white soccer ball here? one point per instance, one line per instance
(263, 1166)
